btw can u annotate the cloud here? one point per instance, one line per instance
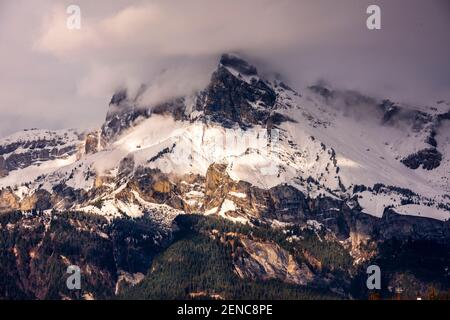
(170, 45)
(173, 28)
(55, 77)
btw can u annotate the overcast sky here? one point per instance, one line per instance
(52, 77)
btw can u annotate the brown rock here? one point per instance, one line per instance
(92, 143)
(8, 201)
(266, 260)
(40, 200)
(162, 186)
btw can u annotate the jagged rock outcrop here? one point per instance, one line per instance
(229, 100)
(260, 260)
(155, 187)
(92, 143)
(8, 201)
(122, 114)
(40, 200)
(283, 202)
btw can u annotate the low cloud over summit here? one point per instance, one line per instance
(55, 77)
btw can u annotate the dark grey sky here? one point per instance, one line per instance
(51, 77)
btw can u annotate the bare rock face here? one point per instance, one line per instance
(241, 66)
(122, 114)
(260, 260)
(92, 143)
(283, 202)
(216, 185)
(40, 200)
(288, 203)
(248, 200)
(156, 187)
(229, 99)
(8, 201)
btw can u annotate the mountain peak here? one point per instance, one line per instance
(119, 96)
(237, 63)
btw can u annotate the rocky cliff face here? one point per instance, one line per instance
(267, 261)
(122, 114)
(236, 95)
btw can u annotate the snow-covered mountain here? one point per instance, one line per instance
(368, 153)
(305, 188)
